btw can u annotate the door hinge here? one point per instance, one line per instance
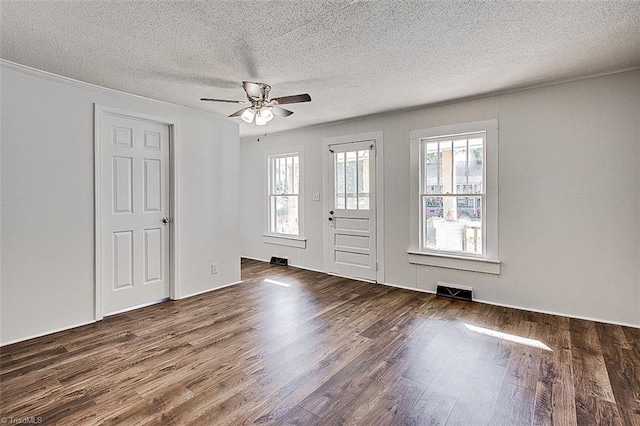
(376, 266)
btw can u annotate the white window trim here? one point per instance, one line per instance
(489, 262)
(300, 240)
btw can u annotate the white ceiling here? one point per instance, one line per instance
(353, 58)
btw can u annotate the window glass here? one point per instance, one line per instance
(452, 194)
(284, 193)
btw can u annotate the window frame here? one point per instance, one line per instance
(489, 261)
(269, 236)
(422, 193)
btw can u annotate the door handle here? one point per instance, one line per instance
(166, 219)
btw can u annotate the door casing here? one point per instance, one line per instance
(99, 111)
(379, 185)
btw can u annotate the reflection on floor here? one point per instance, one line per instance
(317, 349)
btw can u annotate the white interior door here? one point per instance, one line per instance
(351, 232)
(134, 212)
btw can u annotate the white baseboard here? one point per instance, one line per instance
(46, 333)
(208, 290)
(292, 265)
(542, 311)
(485, 301)
(133, 308)
(409, 288)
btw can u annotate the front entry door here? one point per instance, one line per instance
(134, 210)
(352, 210)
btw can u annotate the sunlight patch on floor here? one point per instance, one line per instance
(509, 337)
(270, 281)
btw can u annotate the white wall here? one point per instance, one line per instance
(47, 267)
(569, 197)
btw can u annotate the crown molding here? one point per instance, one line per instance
(453, 101)
(5, 64)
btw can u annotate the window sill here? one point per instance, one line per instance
(282, 240)
(485, 266)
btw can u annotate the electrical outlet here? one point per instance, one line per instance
(214, 268)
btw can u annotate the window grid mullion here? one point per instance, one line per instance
(466, 192)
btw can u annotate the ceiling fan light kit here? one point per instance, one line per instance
(262, 108)
(247, 115)
(263, 116)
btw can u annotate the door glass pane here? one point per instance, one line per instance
(351, 180)
(340, 180)
(363, 180)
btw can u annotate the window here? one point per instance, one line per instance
(284, 195)
(452, 193)
(454, 197)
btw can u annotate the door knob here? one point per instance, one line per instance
(330, 219)
(166, 219)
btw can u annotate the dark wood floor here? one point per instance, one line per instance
(328, 351)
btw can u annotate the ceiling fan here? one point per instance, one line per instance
(262, 108)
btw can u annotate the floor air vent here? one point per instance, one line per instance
(454, 292)
(282, 261)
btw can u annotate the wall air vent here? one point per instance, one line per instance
(282, 261)
(455, 292)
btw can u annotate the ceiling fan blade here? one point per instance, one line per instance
(280, 112)
(292, 99)
(239, 112)
(222, 100)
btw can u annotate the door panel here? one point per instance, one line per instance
(352, 219)
(122, 259)
(122, 185)
(152, 185)
(135, 198)
(153, 260)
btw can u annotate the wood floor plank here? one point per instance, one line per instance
(394, 406)
(439, 399)
(478, 395)
(354, 377)
(426, 365)
(588, 361)
(325, 350)
(298, 416)
(623, 372)
(555, 394)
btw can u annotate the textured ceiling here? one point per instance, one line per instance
(353, 58)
